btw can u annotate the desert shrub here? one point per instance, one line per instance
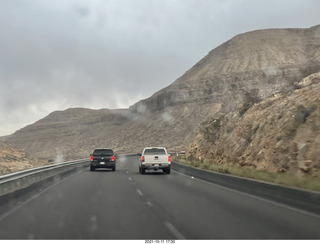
(250, 98)
(299, 118)
(250, 134)
(210, 128)
(303, 113)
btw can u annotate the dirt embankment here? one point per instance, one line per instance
(13, 159)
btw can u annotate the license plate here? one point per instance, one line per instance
(102, 162)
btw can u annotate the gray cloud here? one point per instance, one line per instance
(110, 54)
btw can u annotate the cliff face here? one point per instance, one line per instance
(280, 134)
(248, 68)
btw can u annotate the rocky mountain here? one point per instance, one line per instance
(260, 63)
(279, 134)
(247, 69)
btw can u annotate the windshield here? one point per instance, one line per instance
(100, 152)
(160, 120)
(153, 151)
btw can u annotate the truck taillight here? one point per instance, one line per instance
(142, 159)
(112, 159)
(91, 158)
(169, 159)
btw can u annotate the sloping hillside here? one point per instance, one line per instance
(259, 62)
(252, 65)
(280, 134)
(13, 159)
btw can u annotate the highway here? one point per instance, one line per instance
(127, 205)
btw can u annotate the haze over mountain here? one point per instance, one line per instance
(253, 65)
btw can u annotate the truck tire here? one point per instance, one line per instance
(143, 170)
(92, 168)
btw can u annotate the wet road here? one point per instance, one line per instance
(127, 205)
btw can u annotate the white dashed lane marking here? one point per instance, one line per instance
(174, 230)
(139, 192)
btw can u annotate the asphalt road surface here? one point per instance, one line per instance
(127, 205)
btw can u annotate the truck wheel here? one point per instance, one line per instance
(168, 171)
(114, 168)
(92, 168)
(143, 170)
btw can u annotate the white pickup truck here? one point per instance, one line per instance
(154, 158)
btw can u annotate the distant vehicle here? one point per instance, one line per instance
(155, 158)
(102, 158)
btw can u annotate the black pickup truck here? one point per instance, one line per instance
(103, 158)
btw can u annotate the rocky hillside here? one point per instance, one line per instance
(249, 67)
(13, 159)
(260, 63)
(280, 134)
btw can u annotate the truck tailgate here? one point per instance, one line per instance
(156, 159)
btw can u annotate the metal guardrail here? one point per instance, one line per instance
(21, 179)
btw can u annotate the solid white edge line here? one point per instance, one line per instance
(255, 197)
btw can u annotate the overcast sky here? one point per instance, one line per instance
(112, 53)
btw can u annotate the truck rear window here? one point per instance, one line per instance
(99, 152)
(154, 151)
